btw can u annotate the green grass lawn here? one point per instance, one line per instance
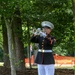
(64, 67)
(59, 67)
(1, 63)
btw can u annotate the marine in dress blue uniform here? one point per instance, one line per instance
(44, 58)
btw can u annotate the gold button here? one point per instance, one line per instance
(42, 45)
(42, 40)
(42, 48)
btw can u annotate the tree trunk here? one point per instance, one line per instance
(5, 44)
(17, 34)
(29, 44)
(73, 7)
(11, 52)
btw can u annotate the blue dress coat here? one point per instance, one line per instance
(46, 43)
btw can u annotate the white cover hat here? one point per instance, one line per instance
(47, 24)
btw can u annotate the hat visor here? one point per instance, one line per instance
(46, 27)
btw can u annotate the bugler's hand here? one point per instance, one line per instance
(42, 34)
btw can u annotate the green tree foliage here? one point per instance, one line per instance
(1, 54)
(59, 12)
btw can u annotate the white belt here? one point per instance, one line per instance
(40, 50)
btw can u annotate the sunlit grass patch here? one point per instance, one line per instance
(1, 63)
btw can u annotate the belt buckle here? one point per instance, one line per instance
(42, 50)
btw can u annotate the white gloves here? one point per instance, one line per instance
(42, 34)
(39, 32)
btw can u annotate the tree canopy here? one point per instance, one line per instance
(59, 12)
